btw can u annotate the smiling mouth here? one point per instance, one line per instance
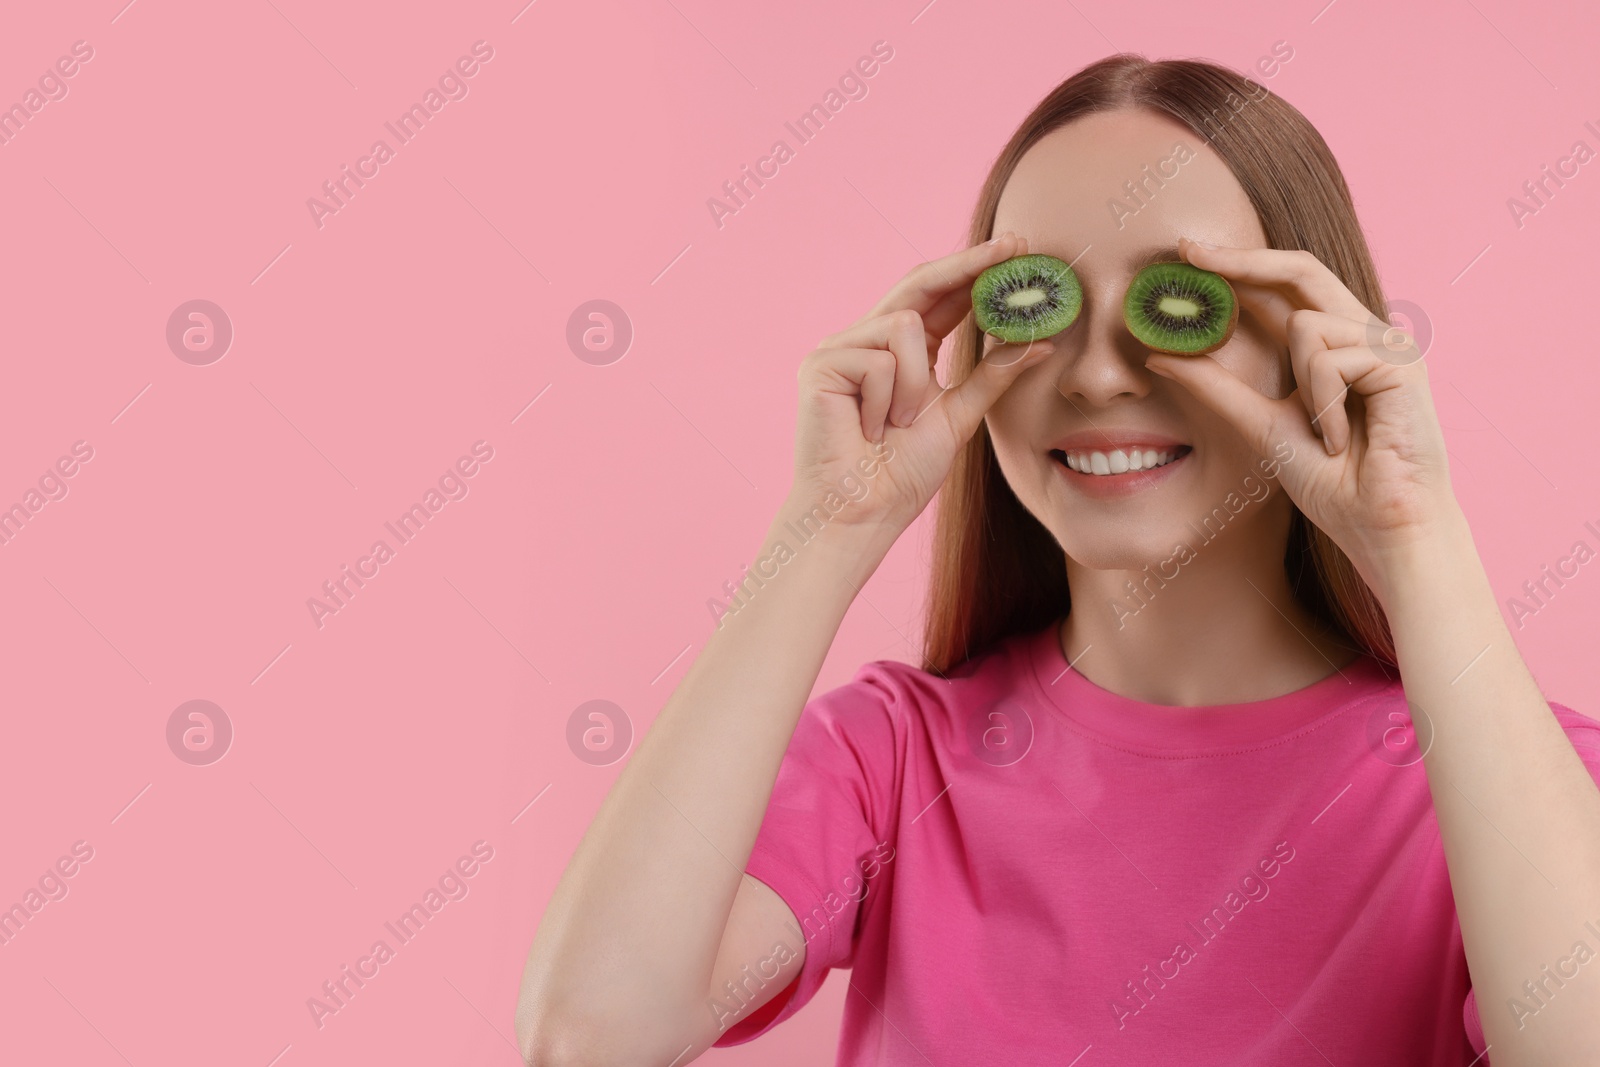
(1107, 463)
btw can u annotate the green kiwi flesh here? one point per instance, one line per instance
(1180, 309)
(1026, 298)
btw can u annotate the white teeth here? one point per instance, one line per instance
(1119, 462)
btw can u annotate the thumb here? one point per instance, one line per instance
(967, 402)
(1259, 419)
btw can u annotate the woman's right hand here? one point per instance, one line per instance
(873, 382)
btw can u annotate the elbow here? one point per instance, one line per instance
(546, 1041)
(543, 1041)
(542, 1045)
(546, 1035)
(558, 1025)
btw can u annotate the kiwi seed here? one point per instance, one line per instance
(1026, 298)
(1180, 309)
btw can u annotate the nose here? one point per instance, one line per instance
(1100, 360)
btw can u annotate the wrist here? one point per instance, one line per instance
(804, 532)
(802, 572)
(1428, 559)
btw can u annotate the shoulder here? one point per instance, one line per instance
(894, 699)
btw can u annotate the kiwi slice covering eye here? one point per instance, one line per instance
(1026, 298)
(1180, 309)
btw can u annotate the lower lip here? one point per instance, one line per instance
(1110, 486)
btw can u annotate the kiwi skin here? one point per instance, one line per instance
(1070, 292)
(1227, 333)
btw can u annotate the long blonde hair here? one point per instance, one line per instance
(996, 570)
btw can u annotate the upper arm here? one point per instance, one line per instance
(662, 1031)
(759, 955)
(797, 902)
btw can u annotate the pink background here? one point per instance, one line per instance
(370, 353)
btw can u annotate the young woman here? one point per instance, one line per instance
(1156, 793)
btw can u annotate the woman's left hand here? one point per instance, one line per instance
(1380, 485)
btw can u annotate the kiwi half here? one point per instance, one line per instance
(1180, 309)
(1026, 298)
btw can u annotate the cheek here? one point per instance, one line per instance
(1277, 376)
(1013, 425)
(1004, 441)
(1005, 417)
(1259, 363)
(1255, 357)
(1015, 419)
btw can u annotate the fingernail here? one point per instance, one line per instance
(1207, 244)
(1327, 444)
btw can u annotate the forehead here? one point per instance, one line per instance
(1070, 193)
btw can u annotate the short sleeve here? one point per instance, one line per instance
(822, 846)
(1584, 733)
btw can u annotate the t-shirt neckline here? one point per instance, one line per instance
(1200, 730)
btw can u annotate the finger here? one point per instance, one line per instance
(914, 351)
(1332, 376)
(964, 405)
(1310, 334)
(930, 344)
(947, 314)
(869, 333)
(1304, 278)
(860, 335)
(1014, 350)
(869, 373)
(1267, 306)
(954, 306)
(1261, 420)
(1272, 309)
(925, 285)
(932, 395)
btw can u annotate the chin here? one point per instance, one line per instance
(1113, 548)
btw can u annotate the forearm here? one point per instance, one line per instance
(636, 920)
(1519, 815)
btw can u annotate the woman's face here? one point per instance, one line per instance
(1094, 393)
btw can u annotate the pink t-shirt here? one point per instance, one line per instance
(1019, 866)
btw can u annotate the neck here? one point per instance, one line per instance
(1215, 625)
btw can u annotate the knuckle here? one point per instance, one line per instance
(908, 319)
